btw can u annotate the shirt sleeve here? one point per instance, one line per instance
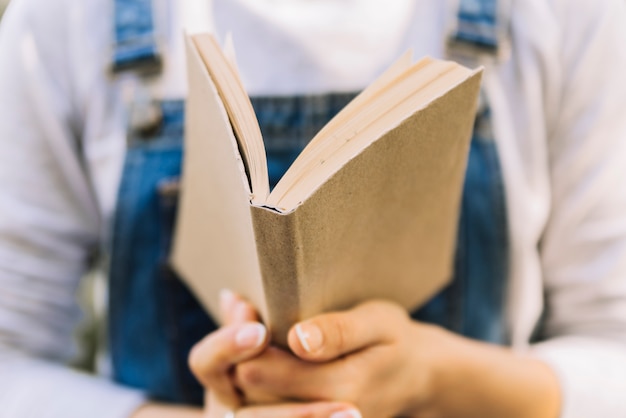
(49, 221)
(584, 246)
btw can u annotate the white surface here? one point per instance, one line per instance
(559, 117)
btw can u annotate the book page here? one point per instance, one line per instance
(240, 112)
(214, 245)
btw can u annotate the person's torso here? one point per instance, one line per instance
(154, 319)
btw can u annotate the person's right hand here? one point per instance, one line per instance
(242, 337)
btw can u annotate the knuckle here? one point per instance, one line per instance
(249, 375)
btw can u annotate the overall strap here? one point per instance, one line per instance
(482, 31)
(137, 57)
(136, 47)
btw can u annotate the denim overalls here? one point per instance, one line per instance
(154, 320)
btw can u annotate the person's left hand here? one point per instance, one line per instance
(372, 356)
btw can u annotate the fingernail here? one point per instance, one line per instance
(227, 298)
(310, 337)
(350, 413)
(251, 336)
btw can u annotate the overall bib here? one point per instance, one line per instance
(153, 318)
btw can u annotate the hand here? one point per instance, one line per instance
(369, 356)
(376, 358)
(242, 339)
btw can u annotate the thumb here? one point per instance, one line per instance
(332, 335)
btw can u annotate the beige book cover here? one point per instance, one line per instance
(372, 213)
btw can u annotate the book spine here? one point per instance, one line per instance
(279, 251)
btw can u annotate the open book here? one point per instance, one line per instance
(368, 210)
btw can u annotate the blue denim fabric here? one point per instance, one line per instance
(153, 318)
(135, 41)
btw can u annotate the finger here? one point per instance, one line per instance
(212, 358)
(277, 375)
(330, 336)
(234, 309)
(294, 410)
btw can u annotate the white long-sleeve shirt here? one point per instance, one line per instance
(559, 109)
